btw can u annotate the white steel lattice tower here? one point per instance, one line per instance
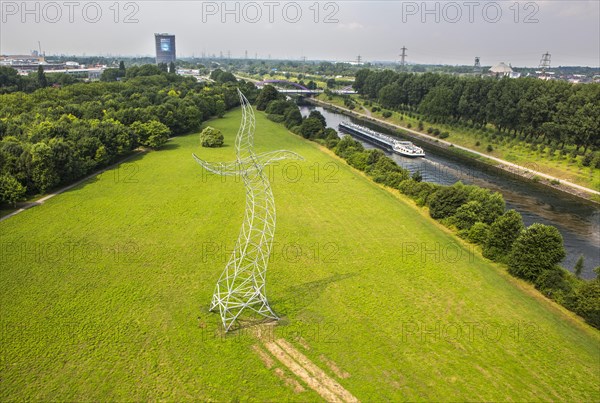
(242, 283)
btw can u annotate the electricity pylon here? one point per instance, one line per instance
(242, 283)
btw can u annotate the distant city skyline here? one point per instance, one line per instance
(441, 32)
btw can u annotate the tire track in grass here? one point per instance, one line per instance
(302, 373)
(317, 372)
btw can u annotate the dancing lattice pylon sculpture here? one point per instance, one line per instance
(242, 283)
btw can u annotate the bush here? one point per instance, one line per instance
(348, 146)
(591, 159)
(386, 114)
(430, 130)
(537, 249)
(479, 233)
(151, 134)
(477, 144)
(417, 176)
(492, 203)
(447, 200)
(211, 137)
(358, 160)
(279, 107)
(276, 118)
(408, 125)
(554, 284)
(419, 191)
(332, 143)
(292, 117)
(311, 128)
(444, 135)
(588, 302)
(436, 132)
(503, 233)
(467, 215)
(489, 148)
(11, 190)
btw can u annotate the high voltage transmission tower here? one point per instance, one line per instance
(358, 60)
(544, 64)
(243, 281)
(403, 57)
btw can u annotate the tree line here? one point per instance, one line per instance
(556, 113)
(54, 136)
(478, 215)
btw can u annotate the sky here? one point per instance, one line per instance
(436, 32)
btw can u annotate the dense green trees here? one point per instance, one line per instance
(54, 136)
(152, 134)
(222, 76)
(268, 94)
(550, 112)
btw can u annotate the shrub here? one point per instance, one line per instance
(447, 200)
(436, 132)
(311, 128)
(292, 117)
(479, 233)
(211, 137)
(11, 190)
(276, 118)
(588, 302)
(492, 203)
(467, 215)
(503, 233)
(151, 134)
(408, 125)
(489, 148)
(417, 176)
(554, 283)
(347, 146)
(386, 114)
(537, 249)
(444, 135)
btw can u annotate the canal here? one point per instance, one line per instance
(577, 220)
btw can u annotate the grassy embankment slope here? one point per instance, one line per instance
(517, 152)
(107, 298)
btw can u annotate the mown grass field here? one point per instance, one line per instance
(104, 292)
(515, 151)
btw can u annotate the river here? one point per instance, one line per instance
(577, 220)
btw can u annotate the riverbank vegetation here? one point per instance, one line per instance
(550, 126)
(476, 214)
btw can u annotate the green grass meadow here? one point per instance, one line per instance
(104, 291)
